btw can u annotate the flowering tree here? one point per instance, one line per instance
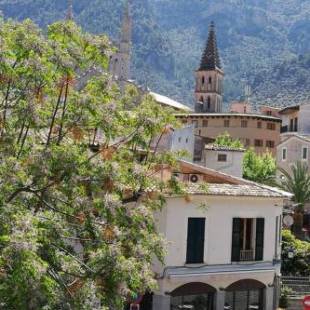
(72, 235)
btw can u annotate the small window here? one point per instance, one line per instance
(259, 124)
(199, 132)
(195, 123)
(258, 143)
(271, 126)
(180, 139)
(269, 113)
(184, 121)
(205, 123)
(270, 144)
(304, 153)
(247, 142)
(222, 157)
(226, 123)
(244, 124)
(284, 153)
(201, 99)
(203, 80)
(186, 141)
(210, 80)
(209, 102)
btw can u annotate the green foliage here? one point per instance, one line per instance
(283, 302)
(226, 140)
(259, 168)
(297, 182)
(299, 264)
(72, 233)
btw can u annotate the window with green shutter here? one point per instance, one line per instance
(195, 240)
(260, 233)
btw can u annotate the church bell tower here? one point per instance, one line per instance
(120, 61)
(209, 78)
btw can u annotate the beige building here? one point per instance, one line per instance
(293, 148)
(261, 132)
(295, 136)
(224, 244)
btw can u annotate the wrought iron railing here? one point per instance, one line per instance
(246, 255)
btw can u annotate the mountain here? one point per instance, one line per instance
(258, 41)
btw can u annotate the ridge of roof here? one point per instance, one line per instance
(236, 180)
(169, 102)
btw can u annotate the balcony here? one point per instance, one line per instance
(246, 255)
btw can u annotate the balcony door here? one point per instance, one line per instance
(247, 239)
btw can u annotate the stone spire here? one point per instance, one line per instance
(120, 61)
(210, 59)
(70, 10)
(209, 78)
(126, 24)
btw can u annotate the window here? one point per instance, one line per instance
(259, 124)
(269, 113)
(304, 153)
(270, 144)
(244, 124)
(296, 124)
(209, 102)
(184, 121)
(284, 153)
(210, 80)
(201, 99)
(291, 124)
(195, 123)
(195, 240)
(222, 157)
(186, 141)
(199, 132)
(205, 123)
(247, 142)
(248, 239)
(258, 143)
(226, 123)
(180, 139)
(271, 126)
(203, 80)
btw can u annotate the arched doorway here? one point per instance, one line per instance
(244, 295)
(193, 296)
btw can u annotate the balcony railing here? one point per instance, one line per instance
(246, 255)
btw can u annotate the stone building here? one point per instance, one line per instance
(209, 78)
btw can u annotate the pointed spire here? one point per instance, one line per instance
(70, 10)
(210, 58)
(126, 24)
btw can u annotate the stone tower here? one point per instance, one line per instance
(209, 78)
(120, 61)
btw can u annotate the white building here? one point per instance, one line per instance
(223, 244)
(224, 159)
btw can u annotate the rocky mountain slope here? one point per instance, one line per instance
(263, 43)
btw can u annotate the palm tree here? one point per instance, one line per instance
(297, 183)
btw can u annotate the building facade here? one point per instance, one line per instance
(261, 132)
(295, 137)
(224, 244)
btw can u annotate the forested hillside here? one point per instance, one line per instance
(262, 43)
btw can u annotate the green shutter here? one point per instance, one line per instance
(195, 240)
(259, 248)
(236, 240)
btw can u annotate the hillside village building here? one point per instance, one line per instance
(295, 137)
(260, 131)
(224, 244)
